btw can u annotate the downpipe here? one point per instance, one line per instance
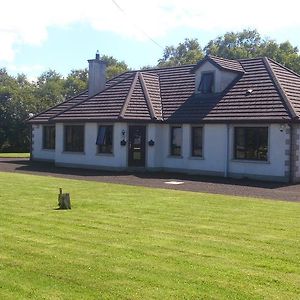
(226, 152)
(291, 169)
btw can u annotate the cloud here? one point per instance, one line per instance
(27, 22)
(29, 70)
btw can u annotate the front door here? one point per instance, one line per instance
(136, 146)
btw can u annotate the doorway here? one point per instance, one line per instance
(136, 146)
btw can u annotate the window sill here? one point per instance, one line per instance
(73, 152)
(196, 158)
(251, 161)
(105, 154)
(175, 156)
(48, 150)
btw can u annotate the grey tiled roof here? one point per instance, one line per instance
(167, 95)
(222, 63)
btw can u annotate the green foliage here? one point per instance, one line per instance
(232, 45)
(75, 82)
(50, 89)
(114, 67)
(125, 242)
(19, 98)
(188, 52)
(249, 44)
(16, 101)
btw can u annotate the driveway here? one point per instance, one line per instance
(206, 184)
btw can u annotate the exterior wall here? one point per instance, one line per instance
(153, 159)
(273, 169)
(90, 158)
(218, 158)
(213, 151)
(296, 153)
(215, 160)
(37, 151)
(222, 78)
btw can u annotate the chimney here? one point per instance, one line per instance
(97, 77)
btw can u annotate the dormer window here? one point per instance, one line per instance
(206, 85)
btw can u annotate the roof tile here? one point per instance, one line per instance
(167, 94)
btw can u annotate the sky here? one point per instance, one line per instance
(36, 36)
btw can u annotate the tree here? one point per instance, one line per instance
(114, 67)
(76, 82)
(16, 101)
(234, 45)
(188, 52)
(284, 53)
(49, 90)
(249, 44)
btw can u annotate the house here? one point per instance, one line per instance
(231, 118)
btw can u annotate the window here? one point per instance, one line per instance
(176, 140)
(49, 137)
(197, 141)
(251, 143)
(207, 83)
(74, 138)
(105, 139)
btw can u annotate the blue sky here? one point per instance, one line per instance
(62, 35)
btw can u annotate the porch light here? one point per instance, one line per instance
(151, 143)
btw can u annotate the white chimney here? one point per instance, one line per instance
(97, 77)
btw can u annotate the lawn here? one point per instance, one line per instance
(14, 155)
(124, 242)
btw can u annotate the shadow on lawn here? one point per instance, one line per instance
(26, 165)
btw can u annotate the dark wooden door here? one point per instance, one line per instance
(136, 146)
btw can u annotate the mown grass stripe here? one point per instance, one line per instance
(124, 242)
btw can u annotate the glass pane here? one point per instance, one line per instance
(136, 155)
(197, 141)
(105, 139)
(251, 143)
(176, 140)
(206, 84)
(74, 138)
(101, 135)
(49, 137)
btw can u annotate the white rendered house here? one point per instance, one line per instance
(231, 118)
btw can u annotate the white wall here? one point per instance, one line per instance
(38, 153)
(158, 156)
(90, 157)
(296, 152)
(222, 78)
(214, 153)
(275, 166)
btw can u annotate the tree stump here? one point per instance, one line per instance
(64, 201)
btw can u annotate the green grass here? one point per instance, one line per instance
(14, 155)
(124, 242)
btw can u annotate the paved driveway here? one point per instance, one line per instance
(176, 181)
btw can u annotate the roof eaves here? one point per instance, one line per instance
(80, 102)
(210, 59)
(281, 91)
(31, 120)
